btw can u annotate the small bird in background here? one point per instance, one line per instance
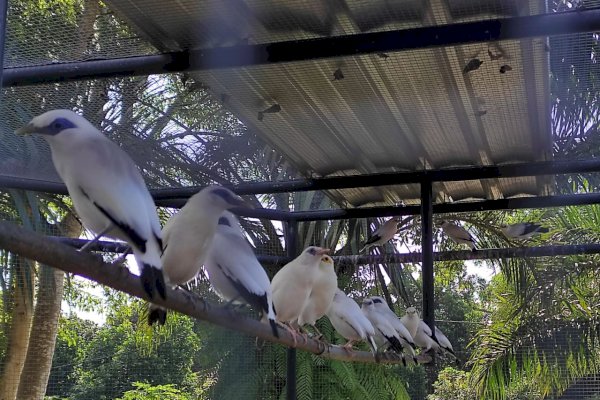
(383, 234)
(275, 108)
(321, 295)
(403, 333)
(107, 189)
(235, 273)
(385, 334)
(472, 65)
(292, 284)
(458, 234)
(188, 235)
(523, 230)
(349, 321)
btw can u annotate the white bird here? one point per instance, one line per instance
(189, 234)
(383, 234)
(411, 321)
(321, 295)
(403, 333)
(523, 230)
(107, 189)
(235, 273)
(385, 334)
(443, 341)
(293, 283)
(458, 234)
(349, 321)
(422, 333)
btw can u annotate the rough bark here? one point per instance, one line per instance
(44, 329)
(18, 331)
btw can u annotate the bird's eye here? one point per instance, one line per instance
(57, 125)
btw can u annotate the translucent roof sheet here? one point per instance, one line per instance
(466, 105)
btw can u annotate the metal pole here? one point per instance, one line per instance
(349, 182)
(291, 249)
(399, 178)
(3, 13)
(312, 49)
(427, 245)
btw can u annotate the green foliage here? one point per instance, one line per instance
(111, 359)
(144, 391)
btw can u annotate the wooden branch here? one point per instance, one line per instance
(50, 252)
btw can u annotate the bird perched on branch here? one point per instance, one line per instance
(321, 295)
(403, 333)
(349, 321)
(107, 189)
(235, 273)
(383, 234)
(293, 283)
(189, 234)
(422, 335)
(458, 234)
(523, 230)
(385, 334)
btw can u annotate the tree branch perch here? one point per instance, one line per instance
(50, 252)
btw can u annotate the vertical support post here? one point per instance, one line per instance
(291, 249)
(3, 14)
(427, 244)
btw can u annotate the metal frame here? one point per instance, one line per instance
(311, 49)
(352, 45)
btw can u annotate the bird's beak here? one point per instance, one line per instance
(239, 202)
(323, 251)
(27, 129)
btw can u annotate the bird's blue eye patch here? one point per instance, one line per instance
(377, 301)
(224, 221)
(224, 194)
(57, 126)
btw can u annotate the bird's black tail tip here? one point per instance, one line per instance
(157, 315)
(274, 327)
(543, 229)
(153, 280)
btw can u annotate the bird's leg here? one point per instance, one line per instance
(348, 346)
(291, 331)
(121, 259)
(95, 240)
(320, 336)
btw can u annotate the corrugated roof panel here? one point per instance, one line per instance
(399, 111)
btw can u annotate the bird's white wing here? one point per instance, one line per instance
(425, 328)
(458, 232)
(236, 259)
(107, 176)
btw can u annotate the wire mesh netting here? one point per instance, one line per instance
(369, 113)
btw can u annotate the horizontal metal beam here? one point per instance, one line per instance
(347, 182)
(471, 206)
(400, 178)
(310, 49)
(370, 212)
(483, 254)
